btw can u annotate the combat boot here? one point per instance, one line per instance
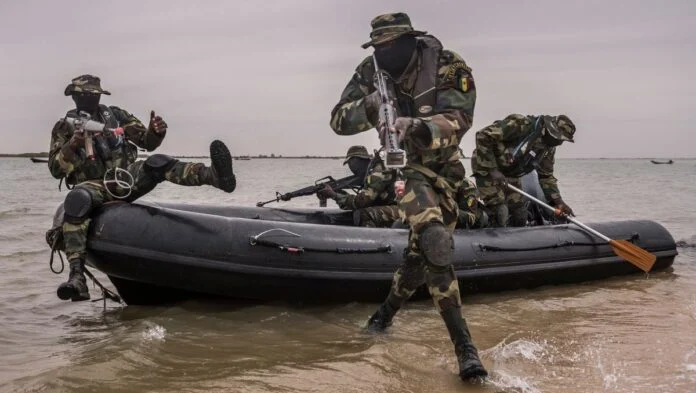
(219, 174)
(75, 288)
(382, 318)
(470, 366)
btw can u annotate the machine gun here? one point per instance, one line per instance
(353, 182)
(394, 157)
(91, 129)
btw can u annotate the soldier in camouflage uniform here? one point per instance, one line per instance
(72, 160)
(375, 205)
(510, 148)
(472, 215)
(435, 96)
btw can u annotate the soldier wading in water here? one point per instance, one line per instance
(434, 92)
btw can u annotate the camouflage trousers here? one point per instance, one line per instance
(505, 207)
(75, 234)
(421, 206)
(376, 216)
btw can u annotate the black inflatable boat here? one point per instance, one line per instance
(155, 253)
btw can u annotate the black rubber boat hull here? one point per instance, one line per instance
(159, 253)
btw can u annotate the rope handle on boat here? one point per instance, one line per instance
(568, 243)
(257, 241)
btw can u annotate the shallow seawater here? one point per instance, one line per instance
(625, 334)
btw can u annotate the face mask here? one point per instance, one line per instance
(549, 140)
(394, 56)
(358, 165)
(87, 102)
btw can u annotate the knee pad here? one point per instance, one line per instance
(158, 164)
(437, 244)
(78, 205)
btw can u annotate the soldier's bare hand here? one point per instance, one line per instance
(157, 124)
(564, 208)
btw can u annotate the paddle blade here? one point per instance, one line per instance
(643, 259)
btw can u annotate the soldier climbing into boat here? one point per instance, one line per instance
(375, 205)
(102, 167)
(435, 95)
(511, 148)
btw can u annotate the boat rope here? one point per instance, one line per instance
(567, 243)
(337, 250)
(54, 237)
(254, 239)
(106, 293)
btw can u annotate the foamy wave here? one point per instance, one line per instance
(512, 383)
(154, 333)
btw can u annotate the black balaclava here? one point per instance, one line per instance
(358, 165)
(393, 56)
(87, 102)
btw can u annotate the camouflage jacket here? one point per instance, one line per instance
(470, 209)
(75, 167)
(495, 144)
(446, 106)
(378, 190)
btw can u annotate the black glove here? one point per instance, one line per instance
(157, 125)
(497, 177)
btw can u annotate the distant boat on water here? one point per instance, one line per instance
(243, 158)
(36, 160)
(662, 162)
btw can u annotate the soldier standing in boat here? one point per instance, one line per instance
(435, 96)
(511, 148)
(375, 205)
(101, 167)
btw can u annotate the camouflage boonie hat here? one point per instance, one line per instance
(560, 127)
(357, 151)
(85, 84)
(390, 26)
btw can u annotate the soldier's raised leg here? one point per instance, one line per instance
(160, 167)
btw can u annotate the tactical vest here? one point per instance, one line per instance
(425, 90)
(119, 156)
(526, 154)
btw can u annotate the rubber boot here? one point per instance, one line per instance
(470, 366)
(75, 288)
(382, 318)
(220, 174)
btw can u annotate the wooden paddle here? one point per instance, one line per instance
(641, 258)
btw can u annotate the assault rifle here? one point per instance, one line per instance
(394, 157)
(353, 182)
(90, 128)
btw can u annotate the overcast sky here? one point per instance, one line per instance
(264, 75)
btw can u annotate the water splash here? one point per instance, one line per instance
(512, 383)
(154, 332)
